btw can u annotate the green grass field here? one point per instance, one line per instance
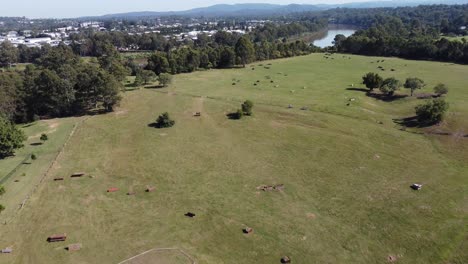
(457, 38)
(346, 172)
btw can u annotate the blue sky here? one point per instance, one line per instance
(75, 8)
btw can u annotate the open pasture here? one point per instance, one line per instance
(346, 171)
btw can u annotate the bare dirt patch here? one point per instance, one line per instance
(311, 215)
(392, 258)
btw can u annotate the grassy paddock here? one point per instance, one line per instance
(346, 198)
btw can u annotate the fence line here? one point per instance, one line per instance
(6, 177)
(45, 174)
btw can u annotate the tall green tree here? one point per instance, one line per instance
(158, 63)
(372, 80)
(11, 138)
(8, 54)
(414, 84)
(245, 50)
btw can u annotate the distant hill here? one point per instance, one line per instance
(272, 9)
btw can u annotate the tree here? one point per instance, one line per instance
(44, 137)
(389, 86)
(11, 138)
(2, 190)
(33, 156)
(227, 57)
(245, 50)
(146, 76)
(8, 54)
(372, 80)
(414, 84)
(164, 79)
(432, 112)
(158, 63)
(247, 107)
(339, 39)
(164, 121)
(441, 89)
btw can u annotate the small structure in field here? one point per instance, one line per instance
(265, 188)
(189, 214)
(285, 259)
(304, 108)
(77, 174)
(247, 230)
(197, 114)
(74, 247)
(57, 238)
(7, 250)
(416, 186)
(112, 189)
(58, 179)
(131, 193)
(150, 188)
(279, 187)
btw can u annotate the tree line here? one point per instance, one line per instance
(410, 32)
(58, 84)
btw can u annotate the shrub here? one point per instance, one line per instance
(1, 208)
(44, 137)
(164, 79)
(33, 157)
(432, 112)
(441, 89)
(247, 107)
(164, 121)
(2, 190)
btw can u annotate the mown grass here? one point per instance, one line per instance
(20, 174)
(346, 199)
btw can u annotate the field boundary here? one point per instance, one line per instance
(161, 249)
(52, 164)
(6, 177)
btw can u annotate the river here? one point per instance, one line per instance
(326, 38)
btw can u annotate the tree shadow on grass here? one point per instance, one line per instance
(233, 116)
(154, 125)
(36, 144)
(411, 122)
(154, 87)
(407, 121)
(364, 90)
(379, 96)
(386, 98)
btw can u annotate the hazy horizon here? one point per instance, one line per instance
(69, 9)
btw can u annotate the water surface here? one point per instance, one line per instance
(327, 38)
